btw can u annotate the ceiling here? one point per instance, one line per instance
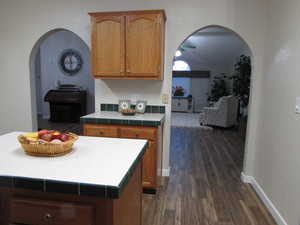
(213, 46)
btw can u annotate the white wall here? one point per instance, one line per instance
(277, 157)
(24, 22)
(50, 51)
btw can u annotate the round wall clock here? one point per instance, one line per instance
(70, 62)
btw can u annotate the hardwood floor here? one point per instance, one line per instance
(204, 186)
(75, 128)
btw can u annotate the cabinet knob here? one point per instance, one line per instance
(48, 216)
(101, 132)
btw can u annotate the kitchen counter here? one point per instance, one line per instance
(99, 167)
(110, 117)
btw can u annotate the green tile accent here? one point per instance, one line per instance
(116, 108)
(135, 122)
(130, 172)
(155, 109)
(162, 109)
(150, 123)
(121, 122)
(110, 107)
(149, 108)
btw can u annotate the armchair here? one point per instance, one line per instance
(222, 114)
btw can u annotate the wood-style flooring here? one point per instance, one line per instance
(75, 128)
(204, 186)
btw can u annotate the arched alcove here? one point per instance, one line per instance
(194, 51)
(44, 65)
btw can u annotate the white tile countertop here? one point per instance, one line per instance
(154, 119)
(94, 160)
(117, 115)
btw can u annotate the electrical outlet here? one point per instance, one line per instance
(298, 105)
(165, 99)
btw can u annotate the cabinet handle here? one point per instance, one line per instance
(101, 132)
(48, 216)
(136, 135)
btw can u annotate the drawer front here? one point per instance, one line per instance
(39, 212)
(139, 133)
(101, 131)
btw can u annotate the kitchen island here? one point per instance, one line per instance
(140, 126)
(99, 182)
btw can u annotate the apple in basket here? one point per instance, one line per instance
(64, 137)
(56, 135)
(47, 137)
(42, 132)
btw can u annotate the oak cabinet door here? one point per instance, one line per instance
(108, 46)
(143, 45)
(149, 166)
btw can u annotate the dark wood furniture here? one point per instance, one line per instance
(128, 45)
(66, 105)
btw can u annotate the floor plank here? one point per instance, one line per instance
(204, 186)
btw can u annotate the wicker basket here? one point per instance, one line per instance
(47, 149)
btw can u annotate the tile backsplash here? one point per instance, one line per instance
(149, 108)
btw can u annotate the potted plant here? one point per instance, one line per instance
(241, 80)
(219, 88)
(179, 91)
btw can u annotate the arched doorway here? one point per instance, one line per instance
(51, 68)
(211, 72)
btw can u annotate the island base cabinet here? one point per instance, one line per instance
(20, 206)
(149, 166)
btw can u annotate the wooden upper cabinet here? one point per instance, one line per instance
(128, 45)
(108, 46)
(143, 45)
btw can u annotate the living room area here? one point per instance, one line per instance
(211, 81)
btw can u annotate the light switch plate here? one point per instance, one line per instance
(165, 99)
(297, 105)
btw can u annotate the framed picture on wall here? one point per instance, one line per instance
(140, 106)
(124, 105)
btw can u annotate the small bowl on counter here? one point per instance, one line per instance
(128, 112)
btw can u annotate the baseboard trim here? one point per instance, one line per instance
(263, 196)
(165, 172)
(246, 179)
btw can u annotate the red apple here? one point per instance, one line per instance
(42, 132)
(46, 137)
(64, 137)
(56, 135)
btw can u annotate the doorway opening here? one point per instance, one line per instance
(211, 89)
(62, 88)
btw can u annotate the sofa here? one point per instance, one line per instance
(223, 114)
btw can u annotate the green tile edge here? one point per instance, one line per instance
(149, 108)
(121, 122)
(131, 170)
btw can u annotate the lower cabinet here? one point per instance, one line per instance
(152, 158)
(36, 211)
